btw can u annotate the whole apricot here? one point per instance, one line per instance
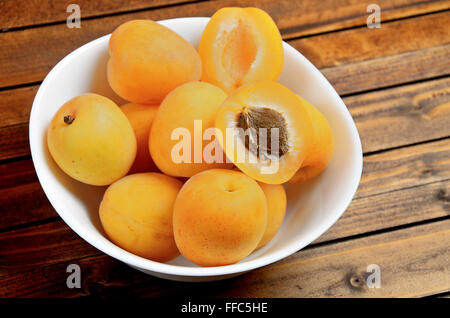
(141, 119)
(91, 140)
(240, 46)
(321, 148)
(276, 209)
(219, 217)
(148, 60)
(184, 118)
(266, 131)
(136, 214)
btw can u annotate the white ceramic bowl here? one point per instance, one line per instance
(312, 206)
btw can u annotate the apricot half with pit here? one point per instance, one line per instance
(148, 60)
(136, 214)
(91, 140)
(182, 138)
(240, 46)
(266, 131)
(219, 217)
(321, 148)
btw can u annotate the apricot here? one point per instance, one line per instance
(276, 209)
(176, 138)
(219, 217)
(321, 148)
(271, 131)
(136, 213)
(240, 46)
(141, 119)
(91, 140)
(148, 60)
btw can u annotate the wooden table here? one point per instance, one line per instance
(395, 82)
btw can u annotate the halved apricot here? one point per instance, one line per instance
(266, 131)
(240, 46)
(321, 147)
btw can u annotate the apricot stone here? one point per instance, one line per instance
(148, 60)
(240, 46)
(136, 214)
(176, 142)
(141, 119)
(91, 140)
(219, 217)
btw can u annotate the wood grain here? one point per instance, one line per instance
(294, 16)
(28, 55)
(413, 262)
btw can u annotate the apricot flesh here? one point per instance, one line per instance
(91, 140)
(190, 102)
(219, 217)
(276, 210)
(137, 211)
(240, 46)
(148, 60)
(141, 119)
(321, 148)
(261, 107)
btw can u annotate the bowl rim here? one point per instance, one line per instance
(179, 270)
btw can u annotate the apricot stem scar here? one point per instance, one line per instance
(69, 119)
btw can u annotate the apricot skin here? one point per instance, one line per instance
(136, 214)
(98, 147)
(219, 217)
(188, 102)
(240, 46)
(148, 60)
(321, 148)
(276, 210)
(141, 119)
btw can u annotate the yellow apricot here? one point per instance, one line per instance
(219, 217)
(91, 140)
(148, 60)
(141, 119)
(136, 213)
(240, 46)
(321, 147)
(276, 209)
(174, 126)
(265, 108)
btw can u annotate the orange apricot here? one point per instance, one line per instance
(321, 147)
(276, 209)
(266, 131)
(137, 211)
(176, 138)
(91, 140)
(148, 60)
(141, 119)
(219, 217)
(240, 46)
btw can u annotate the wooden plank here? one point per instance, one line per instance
(24, 13)
(390, 70)
(402, 115)
(413, 262)
(315, 17)
(28, 55)
(385, 119)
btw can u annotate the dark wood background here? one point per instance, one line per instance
(395, 82)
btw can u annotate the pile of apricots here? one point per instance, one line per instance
(163, 197)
